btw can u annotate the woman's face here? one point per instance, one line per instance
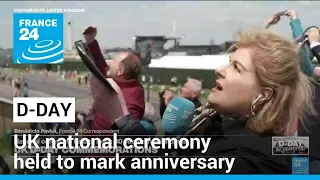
(236, 85)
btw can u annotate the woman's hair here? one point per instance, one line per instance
(277, 66)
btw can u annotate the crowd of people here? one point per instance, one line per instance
(266, 90)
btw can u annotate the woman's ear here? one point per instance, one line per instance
(265, 95)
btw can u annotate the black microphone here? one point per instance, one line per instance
(302, 39)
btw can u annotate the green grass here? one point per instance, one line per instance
(5, 147)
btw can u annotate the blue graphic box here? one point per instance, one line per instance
(38, 38)
(300, 165)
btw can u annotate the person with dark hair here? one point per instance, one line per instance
(25, 89)
(86, 79)
(17, 88)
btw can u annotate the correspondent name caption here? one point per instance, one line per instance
(63, 131)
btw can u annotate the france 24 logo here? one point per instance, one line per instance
(38, 38)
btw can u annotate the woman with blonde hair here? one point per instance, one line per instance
(265, 89)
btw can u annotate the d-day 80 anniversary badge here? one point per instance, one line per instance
(38, 38)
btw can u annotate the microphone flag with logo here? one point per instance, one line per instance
(178, 116)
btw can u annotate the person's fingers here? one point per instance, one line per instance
(211, 112)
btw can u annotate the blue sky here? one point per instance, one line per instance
(200, 21)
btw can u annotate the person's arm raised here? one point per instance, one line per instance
(90, 34)
(272, 21)
(295, 23)
(297, 31)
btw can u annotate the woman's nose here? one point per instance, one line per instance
(220, 72)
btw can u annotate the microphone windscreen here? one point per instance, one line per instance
(177, 117)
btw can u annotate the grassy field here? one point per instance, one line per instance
(5, 147)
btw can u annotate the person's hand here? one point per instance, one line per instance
(105, 102)
(313, 35)
(292, 14)
(90, 33)
(167, 96)
(272, 21)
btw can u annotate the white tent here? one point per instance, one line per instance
(205, 62)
